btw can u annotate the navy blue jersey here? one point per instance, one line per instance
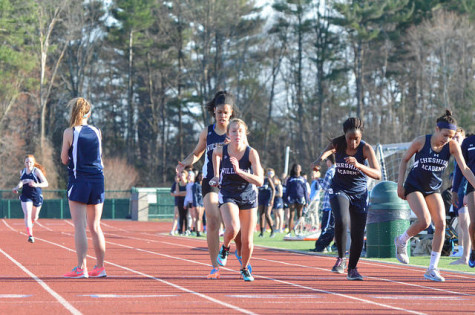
(27, 191)
(428, 167)
(348, 178)
(265, 191)
(212, 141)
(296, 189)
(85, 153)
(231, 183)
(197, 195)
(468, 152)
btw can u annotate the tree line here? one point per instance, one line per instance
(298, 69)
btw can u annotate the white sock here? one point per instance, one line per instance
(434, 260)
(404, 238)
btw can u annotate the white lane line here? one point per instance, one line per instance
(58, 297)
(45, 227)
(114, 227)
(280, 281)
(70, 223)
(325, 269)
(233, 307)
(127, 296)
(14, 296)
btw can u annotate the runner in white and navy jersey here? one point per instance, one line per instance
(221, 107)
(32, 179)
(468, 152)
(82, 153)
(421, 188)
(348, 198)
(238, 170)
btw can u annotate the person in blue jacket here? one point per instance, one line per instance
(296, 195)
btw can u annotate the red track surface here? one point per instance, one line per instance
(151, 272)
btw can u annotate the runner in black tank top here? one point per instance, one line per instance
(240, 172)
(421, 188)
(348, 198)
(221, 107)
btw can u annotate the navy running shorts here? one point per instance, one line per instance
(84, 191)
(206, 188)
(37, 202)
(410, 189)
(244, 201)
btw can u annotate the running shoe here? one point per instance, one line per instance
(261, 235)
(31, 239)
(246, 275)
(76, 273)
(471, 260)
(272, 234)
(214, 274)
(239, 258)
(223, 256)
(98, 272)
(340, 265)
(434, 275)
(401, 251)
(353, 274)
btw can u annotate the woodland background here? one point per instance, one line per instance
(298, 69)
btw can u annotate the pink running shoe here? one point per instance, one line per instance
(98, 272)
(76, 273)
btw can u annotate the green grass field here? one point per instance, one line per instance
(305, 246)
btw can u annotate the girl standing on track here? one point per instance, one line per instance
(468, 152)
(82, 152)
(421, 188)
(32, 179)
(349, 194)
(297, 195)
(265, 203)
(198, 203)
(222, 109)
(180, 193)
(278, 202)
(241, 171)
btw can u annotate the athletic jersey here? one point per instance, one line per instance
(28, 191)
(348, 178)
(296, 189)
(428, 167)
(189, 193)
(468, 152)
(212, 141)
(231, 183)
(85, 153)
(265, 191)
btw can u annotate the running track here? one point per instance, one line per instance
(152, 272)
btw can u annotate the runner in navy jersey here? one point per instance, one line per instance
(348, 197)
(468, 152)
(82, 152)
(32, 179)
(222, 108)
(421, 187)
(265, 199)
(238, 170)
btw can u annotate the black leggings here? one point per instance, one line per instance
(182, 219)
(344, 213)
